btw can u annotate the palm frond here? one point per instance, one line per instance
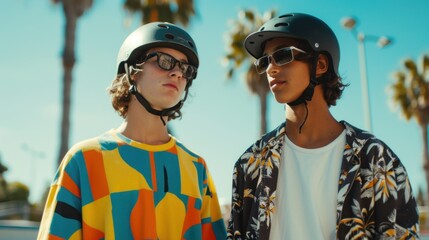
(411, 91)
(173, 11)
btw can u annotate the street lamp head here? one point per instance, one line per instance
(383, 41)
(348, 22)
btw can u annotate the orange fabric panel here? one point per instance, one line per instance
(208, 233)
(52, 237)
(153, 171)
(143, 217)
(70, 185)
(192, 215)
(91, 233)
(96, 173)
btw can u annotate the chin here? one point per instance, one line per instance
(281, 100)
(170, 105)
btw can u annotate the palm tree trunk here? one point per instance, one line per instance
(68, 63)
(263, 116)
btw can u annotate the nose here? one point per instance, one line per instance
(272, 68)
(176, 71)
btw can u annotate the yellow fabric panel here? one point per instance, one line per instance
(188, 173)
(170, 213)
(98, 215)
(48, 213)
(215, 213)
(154, 148)
(120, 176)
(210, 206)
(76, 236)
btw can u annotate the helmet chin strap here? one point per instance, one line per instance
(308, 92)
(142, 100)
(161, 113)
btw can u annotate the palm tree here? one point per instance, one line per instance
(248, 22)
(411, 93)
(72, 9)
(164, 10)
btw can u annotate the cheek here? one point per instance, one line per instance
(182, 85)
(302, 74)
(144, 84)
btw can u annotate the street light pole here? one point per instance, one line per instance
(382, 41)
(364, 82)
(34, 154)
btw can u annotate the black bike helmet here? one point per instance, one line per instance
(304, 27)
(156, 34)
(300, 26)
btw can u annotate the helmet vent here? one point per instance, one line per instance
(190, 44)
(169, 36)
(286, 15)
(163, 26)
(281, 25)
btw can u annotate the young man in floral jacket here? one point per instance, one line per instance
(314, 177)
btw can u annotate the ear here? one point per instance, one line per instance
(135, 74)
(322, 65)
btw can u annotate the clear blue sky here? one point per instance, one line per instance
(221, 119)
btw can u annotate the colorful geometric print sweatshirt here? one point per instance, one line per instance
(112, 187)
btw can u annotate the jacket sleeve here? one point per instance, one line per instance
(235, 222)
(62, 216)
(395, 205)
(213, 225)
(407, 216)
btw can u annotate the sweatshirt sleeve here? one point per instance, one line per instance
(62, 215)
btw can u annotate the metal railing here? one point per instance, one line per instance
(13, 208)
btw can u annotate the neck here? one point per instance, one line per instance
(144, 127)
(319, 129)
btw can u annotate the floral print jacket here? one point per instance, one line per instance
(374, 199)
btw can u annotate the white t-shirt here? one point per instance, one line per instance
(307, 191)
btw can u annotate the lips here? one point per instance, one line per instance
(275, 83)
(171, 85)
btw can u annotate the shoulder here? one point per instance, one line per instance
(367, 146)
(184, 151)
(105, 141)
(268, 139)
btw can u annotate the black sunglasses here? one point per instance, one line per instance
(281, 57)
(168, 62)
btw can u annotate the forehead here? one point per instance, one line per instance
(171, 51)
(276, 43)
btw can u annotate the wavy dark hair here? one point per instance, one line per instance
(332, 84)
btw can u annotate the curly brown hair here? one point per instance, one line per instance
(121, 96)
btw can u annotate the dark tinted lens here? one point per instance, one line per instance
(166, 62)
(262, 64)
(187, 70)
(283, 56)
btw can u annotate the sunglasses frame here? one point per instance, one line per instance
(270, 58)
(174, 62)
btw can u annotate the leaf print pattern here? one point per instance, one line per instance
(374, 198)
